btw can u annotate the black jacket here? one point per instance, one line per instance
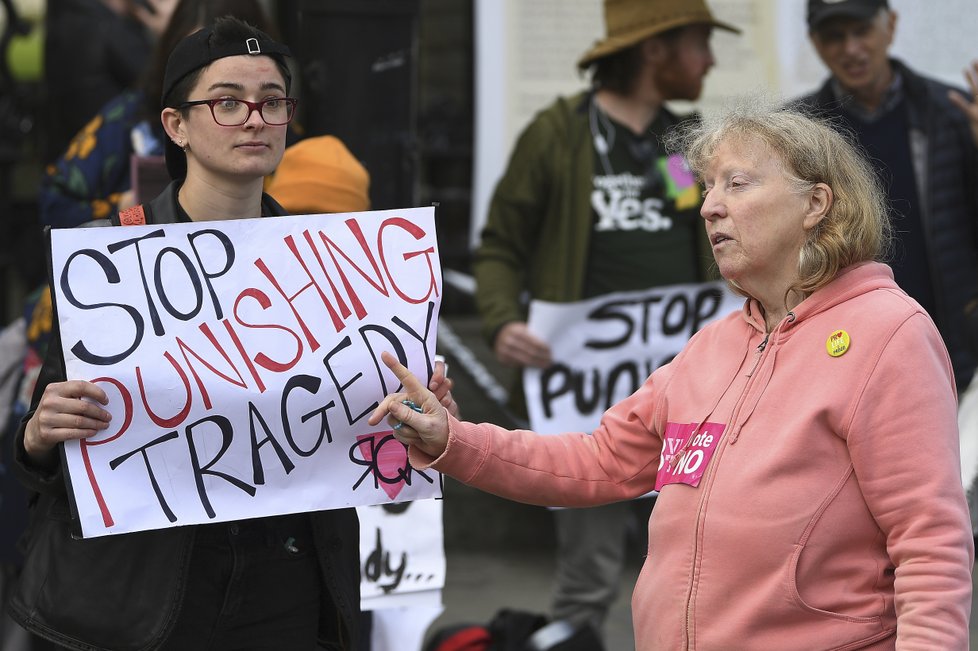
(124, 592)
(946, 166)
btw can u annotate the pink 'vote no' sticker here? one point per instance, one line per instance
(686, 451)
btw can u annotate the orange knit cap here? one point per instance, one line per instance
(320, 175)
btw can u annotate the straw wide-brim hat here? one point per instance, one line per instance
(630, 21)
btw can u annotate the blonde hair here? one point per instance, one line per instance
(856, 227)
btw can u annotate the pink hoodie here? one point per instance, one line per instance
(821, 505)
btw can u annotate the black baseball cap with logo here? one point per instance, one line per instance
(197, 51)
(821, 10)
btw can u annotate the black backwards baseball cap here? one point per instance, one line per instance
(821, 10)
(196, 51)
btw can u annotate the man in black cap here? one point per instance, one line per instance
(923, 137)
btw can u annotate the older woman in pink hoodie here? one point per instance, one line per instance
(805, 449)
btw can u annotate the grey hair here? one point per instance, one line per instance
(856, 227)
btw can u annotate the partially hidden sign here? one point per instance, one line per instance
(241, 360)
(604, 348)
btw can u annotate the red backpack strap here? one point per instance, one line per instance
(134, 216)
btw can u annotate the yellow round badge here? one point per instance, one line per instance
(838, 343)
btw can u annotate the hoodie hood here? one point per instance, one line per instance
(853, 281)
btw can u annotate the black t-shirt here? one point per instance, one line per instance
(646, 210)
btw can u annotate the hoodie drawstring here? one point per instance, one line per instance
(742, 419)
(677, 456)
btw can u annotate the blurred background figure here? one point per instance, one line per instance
(320, 175)
(923, 137)
(94, 50)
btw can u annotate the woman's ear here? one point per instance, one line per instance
(172, 120)
(820, 199)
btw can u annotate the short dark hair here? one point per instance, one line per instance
(224, 38)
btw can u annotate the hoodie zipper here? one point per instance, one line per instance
(710, 473)
(707, 483)
(757, 354)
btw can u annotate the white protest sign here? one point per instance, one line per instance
(241, 360)
(604, 348)
(402, 571)
(402, 629)
(402, 554)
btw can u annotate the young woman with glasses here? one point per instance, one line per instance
(282, 582)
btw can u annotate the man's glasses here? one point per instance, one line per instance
(228, 112)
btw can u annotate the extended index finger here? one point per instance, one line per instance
(410, 381)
